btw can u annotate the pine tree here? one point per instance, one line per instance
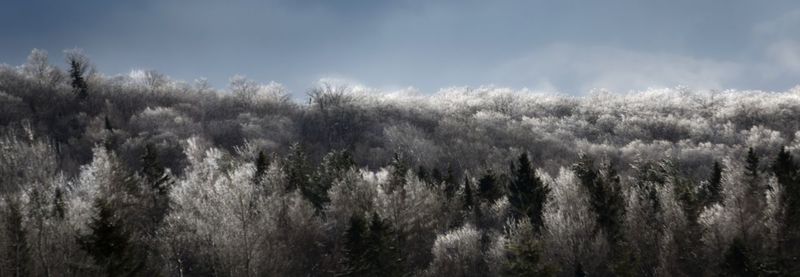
(383, 256)
(76, 72)
(786, 171)
(262, 165)
(355, 248)
(605, 196)
(737, 260)
(450, 183)
(299, 174)
(108, 243)
(370, 248)
(468, 200)
(527, 194)
(334, 165)
(17, 252)
(607, 202)
(712, 193)
(489, 188)
(158, 185)
(59, 207)
(399, 169)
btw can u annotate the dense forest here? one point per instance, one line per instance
(142, 175)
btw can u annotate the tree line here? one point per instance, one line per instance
(141, 175)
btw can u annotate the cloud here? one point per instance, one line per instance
(578, 69)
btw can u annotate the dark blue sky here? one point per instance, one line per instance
(566, 46)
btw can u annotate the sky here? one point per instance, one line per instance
(569, 47)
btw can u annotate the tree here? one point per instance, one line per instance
(262, 165)
(737, 261)
(527, 194)
(78, 67)
(488, 187)
(468, 201)
(607, 202)
(355, 248)
(299, 175)
(38, 68)
(17, 252)
(605, 197)
(786, 172)
(712, 193)
(524, 252)
(108, 243)
(158, 185)
(334, 166)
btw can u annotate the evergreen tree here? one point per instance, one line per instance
(399, 169)
(299, 174)
(737, 260)
(370, 248)
(59, 207)
(712, 193)
(158, 184)
(605, 196)
(383, 256)
(77, 70)
(334, 165)
(468, 200)
(450, 183)
(607, 202)
(355, 248)
(527, 194)
(786, 171)
(17, 252)
(489, 188)
(108, 243)
(262, 165)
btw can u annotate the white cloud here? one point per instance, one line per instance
(582, 68)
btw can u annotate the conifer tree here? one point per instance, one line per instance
(712, 193)
(17, 252)
(397, 177)
(158, 185)
(108, 243)
(77, 69)
(262, 165)
(737, 260)
(334, 165)
(383, 256)
(489, 188)
(299, 174)
(468, 200)
(527, 194)
(786, 171)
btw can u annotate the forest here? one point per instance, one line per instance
(143, 175)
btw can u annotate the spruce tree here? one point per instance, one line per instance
(17, 252)
(108, 243)
(299, 174)
(382, 254)
(786, 172)
(468, 200)
(158, 184)
(489, 188)
(399, 169)
(712, 193)
(76, 72)
(605, 196)
(262, 166)
(355, 248)
(607, 202)
(527, 194)
(738, 261)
